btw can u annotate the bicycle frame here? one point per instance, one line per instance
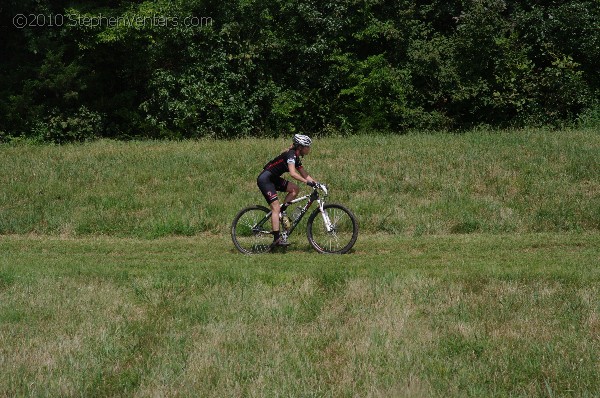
(331, 228)
(311, 198)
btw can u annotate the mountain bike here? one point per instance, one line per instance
(331, 228)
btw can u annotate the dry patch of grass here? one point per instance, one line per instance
(471, 315)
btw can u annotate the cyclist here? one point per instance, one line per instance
(270, 181)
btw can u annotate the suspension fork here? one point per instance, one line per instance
(326, 219)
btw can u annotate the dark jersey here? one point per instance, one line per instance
(279, 165)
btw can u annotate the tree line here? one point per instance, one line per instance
(125, 69)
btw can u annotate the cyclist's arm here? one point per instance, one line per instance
(299, 174)
(305, 175)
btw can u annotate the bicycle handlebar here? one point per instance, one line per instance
(322, 187)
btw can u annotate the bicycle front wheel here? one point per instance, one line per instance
(342, 234)
(251, 230)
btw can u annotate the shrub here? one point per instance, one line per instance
(58, 128)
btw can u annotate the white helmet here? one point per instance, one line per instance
(301, 139)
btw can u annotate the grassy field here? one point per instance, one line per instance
(476, 272)
(457, 315)
(494, 182)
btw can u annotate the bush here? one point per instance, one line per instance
(277, 66)
(590, 118)
(58, 128)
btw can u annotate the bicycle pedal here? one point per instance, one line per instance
(280, 243)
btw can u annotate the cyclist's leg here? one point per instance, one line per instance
(281, 185)
(275, 209)
(269, 191)
(292, 190)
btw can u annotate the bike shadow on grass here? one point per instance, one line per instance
(293, 248)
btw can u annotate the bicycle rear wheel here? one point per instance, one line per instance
(251, 230)
(340, 238)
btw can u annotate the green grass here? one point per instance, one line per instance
(475, 273)
(465, 315)
(492, 182)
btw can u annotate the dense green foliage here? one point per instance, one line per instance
(246, 67)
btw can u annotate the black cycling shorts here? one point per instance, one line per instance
(269, 184)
